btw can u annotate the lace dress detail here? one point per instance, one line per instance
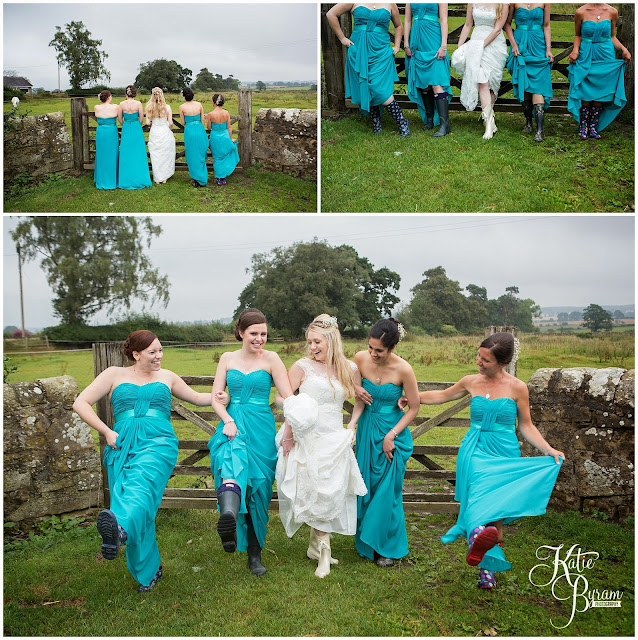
(478, 63)
(319, 480)
(161, 146)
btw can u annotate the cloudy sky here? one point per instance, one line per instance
(257, 41)
(555, 260)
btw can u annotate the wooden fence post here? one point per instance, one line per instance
(511, 367)
(334, 60)
(105, 355)
(79, 132)
(245, 104)
(626, 37)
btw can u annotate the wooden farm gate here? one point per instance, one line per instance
(110, 354)
(83, 134)
(334, 54)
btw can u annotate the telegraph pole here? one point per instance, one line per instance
(24, 332)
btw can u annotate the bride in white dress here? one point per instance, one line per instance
(481, 60)
(161, 141)
(318, 479)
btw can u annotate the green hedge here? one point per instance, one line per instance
(166, 331)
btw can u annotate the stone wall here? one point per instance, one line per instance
(38, 145)
(51, 465)
(286, 140)
(589, 415)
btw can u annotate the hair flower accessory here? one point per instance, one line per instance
(401, 330)
(326, 323)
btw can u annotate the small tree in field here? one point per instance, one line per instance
(596, 319)
(79, 53)
(260, 86)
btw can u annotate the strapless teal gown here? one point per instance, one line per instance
(107, 143)
(370, 69)
(380, 517)
(251, 456)
(597, 75)
(133, 171)
(140, 468)
(224, 150)
(493, 481)
(196, 148)
(423, 68)
(531, 71)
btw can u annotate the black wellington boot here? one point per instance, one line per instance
(528, 110)
(428, 102)
(228, 498)
(443, 107)
(539, 114)
(254, 550)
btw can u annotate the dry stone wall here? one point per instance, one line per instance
(38, 145)
(51, 465)
(286, 140)
(589, 415)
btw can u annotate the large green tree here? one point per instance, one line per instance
(597, 319)
(292, 285)
(93, 262)
(206, 81)
(438, 302)
(510, 310)
(79, 53)
(165, 74)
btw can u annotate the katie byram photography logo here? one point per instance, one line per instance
(566, 576)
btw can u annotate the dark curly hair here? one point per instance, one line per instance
(188, 94)
(137, 341)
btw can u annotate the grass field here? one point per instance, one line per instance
(58, 584)
(462, 172)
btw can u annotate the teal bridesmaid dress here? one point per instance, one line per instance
(597, 75)
(380, 517)
(107, 143)
(251, 456)
(370, 68)
(423, 68)
(140, 468)
(133, 170)
(531, 71)
(493, 481)
(196, 148)
(224, 150)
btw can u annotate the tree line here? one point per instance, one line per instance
(98, 263)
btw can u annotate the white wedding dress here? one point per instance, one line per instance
(477, 63)
(319, 480)
(161, 146)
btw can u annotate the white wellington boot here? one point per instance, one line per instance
(490, 124)
(323, 568)
(313, 548)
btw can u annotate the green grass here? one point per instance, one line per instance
(253, 190)
(58, 584)
(461, 172)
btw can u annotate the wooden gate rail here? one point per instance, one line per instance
(110, 354)
(84, 142)
(334, 61)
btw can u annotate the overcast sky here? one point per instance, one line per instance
(252, 41)
(555, 260)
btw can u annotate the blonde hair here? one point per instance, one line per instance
(326, 326)
(156, 106)
(499, 11)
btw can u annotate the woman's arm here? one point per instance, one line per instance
(358, 408)
(181, 115)
(230, 429)
(120, 117)
(202, 116)
(169, 116)
(411, 390)
(182, 391)
(527, 428)
(509, 32)
(98, 389)
(360, 392)
(578, 21)
(498, 27)
(467, 27)
(398, 28)
(230, 127)
(333, 20)
(443, 22)
(407, 28)
(140, 112)
(295, 378)
(547, 30)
